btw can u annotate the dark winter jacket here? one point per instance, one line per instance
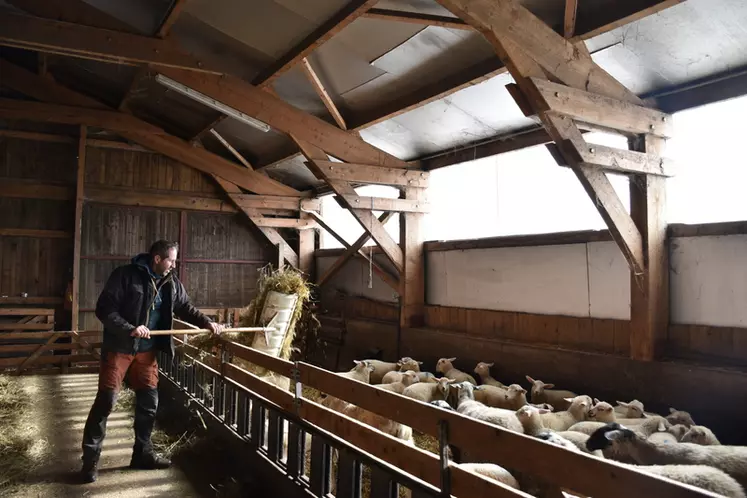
(126, 302)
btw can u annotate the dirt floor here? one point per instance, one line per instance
(58, 413)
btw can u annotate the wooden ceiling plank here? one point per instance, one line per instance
(284, 117)
(352, 11)
(47, 90)
(76, 40)
(569, 19)
(362, 173)
(316, 83)
(386, 204)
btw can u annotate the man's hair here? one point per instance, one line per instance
(162, 248)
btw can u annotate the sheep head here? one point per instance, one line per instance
(634, 409)
(408, 363)
(445, 364)
(680, 417)
(427, 377)
(678, 431)
(464, 389)
(483, 369)
(409, 378)
(538, 387)
(362, 366)
(602, 412)
(698, 434)
(605, 436)
(529, 412)
(515, 391)
(580, 406)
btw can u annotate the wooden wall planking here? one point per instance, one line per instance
(46, 161)
(38, 214)
(222, 285)
(37, 266)
(224, 236)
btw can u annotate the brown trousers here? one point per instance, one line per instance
(141, 370)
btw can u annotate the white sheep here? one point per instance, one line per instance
(442, 404)
(392, 377)
(360, 372)
(406, 380)
(544, 393)
(381, 368)
(492, 471)
(647, 427)
(383, 424)
(602, 412)
(471, 408)
(700, 434)
(731, 460)
(563, 420)
(446, 367)
(678, 431)
(634, 409)
(483, 371)
(427, 392)
(531, 421)
(511, 398)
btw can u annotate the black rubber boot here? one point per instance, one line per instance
(143, 456)
(94, 433)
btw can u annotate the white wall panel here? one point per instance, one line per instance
(609, 281)
(709, 280)
(548, 279)
(353, 279)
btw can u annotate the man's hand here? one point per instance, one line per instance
(141, 331)
(216, 328)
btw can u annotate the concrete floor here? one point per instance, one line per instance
(58, 414)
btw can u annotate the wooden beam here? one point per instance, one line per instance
(55, 113)
(26, 311)
(42, 234)
(624, 161)
(275, 202)
(37, 137)
(72, 12)
(388, 278)
(507, 20)
(128, 197)
(31, 359)
(364, 216)
(569, 20)
(385, 204)
(272, 235)
(412, 280)
(492, 147)
(306, 242)
(284, 117)
(78, 226)
(28, 190)
(349, 13)
(140, 73)
(45, 90)
(603, 111)
(316, 83)
(362, 173)
(649, 292)
(230, 149)
(298, 224)
(112, 144)
(176, 8)
(417, 18)
(56, 37)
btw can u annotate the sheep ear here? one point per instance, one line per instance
(596, 401)
(451, 359)
(544, 410)
(523, 391)
(622, 403)
(530, 379)
(371, 367)
(357, 362)
(491, 364)
(549, 386)
(479, 388)
(662, 427)
(614, 435)
(672, 410)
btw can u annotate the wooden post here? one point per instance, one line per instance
(183, 247)
(79, 196)
(306, 250)
(649, 292)
(412, 279)
(279, 256)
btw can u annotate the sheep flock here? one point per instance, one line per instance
(668, 445)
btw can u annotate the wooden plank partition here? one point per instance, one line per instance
(567, 470)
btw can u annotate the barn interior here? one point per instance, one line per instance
(550, 186)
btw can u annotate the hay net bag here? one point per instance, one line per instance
(279, 309)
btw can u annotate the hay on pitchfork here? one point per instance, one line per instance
(286, 281)
(22, 451)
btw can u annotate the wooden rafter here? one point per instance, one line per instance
(320, 90)
(140, 74)
(352, 11)
(284, 117)
(363, 173)
(355, 249)
(417, 18)
(569, 19)
(231, 149)
(44, 35)
(46, 90)
(274, 222)
(171, 17)
(361, 213)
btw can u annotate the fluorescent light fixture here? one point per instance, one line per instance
(211, 102)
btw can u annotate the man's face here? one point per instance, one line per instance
(162, 266)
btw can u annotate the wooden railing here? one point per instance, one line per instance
(425, 473)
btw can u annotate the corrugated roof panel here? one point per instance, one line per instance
(244, 137)
(372, 38)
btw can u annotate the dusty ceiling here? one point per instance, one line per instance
(374, 67)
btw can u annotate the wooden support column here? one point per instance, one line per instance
(412, 278)
(77, 226)
(649, 292)
(306, 250)
(183, 247)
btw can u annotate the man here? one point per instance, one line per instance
(142, 296)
